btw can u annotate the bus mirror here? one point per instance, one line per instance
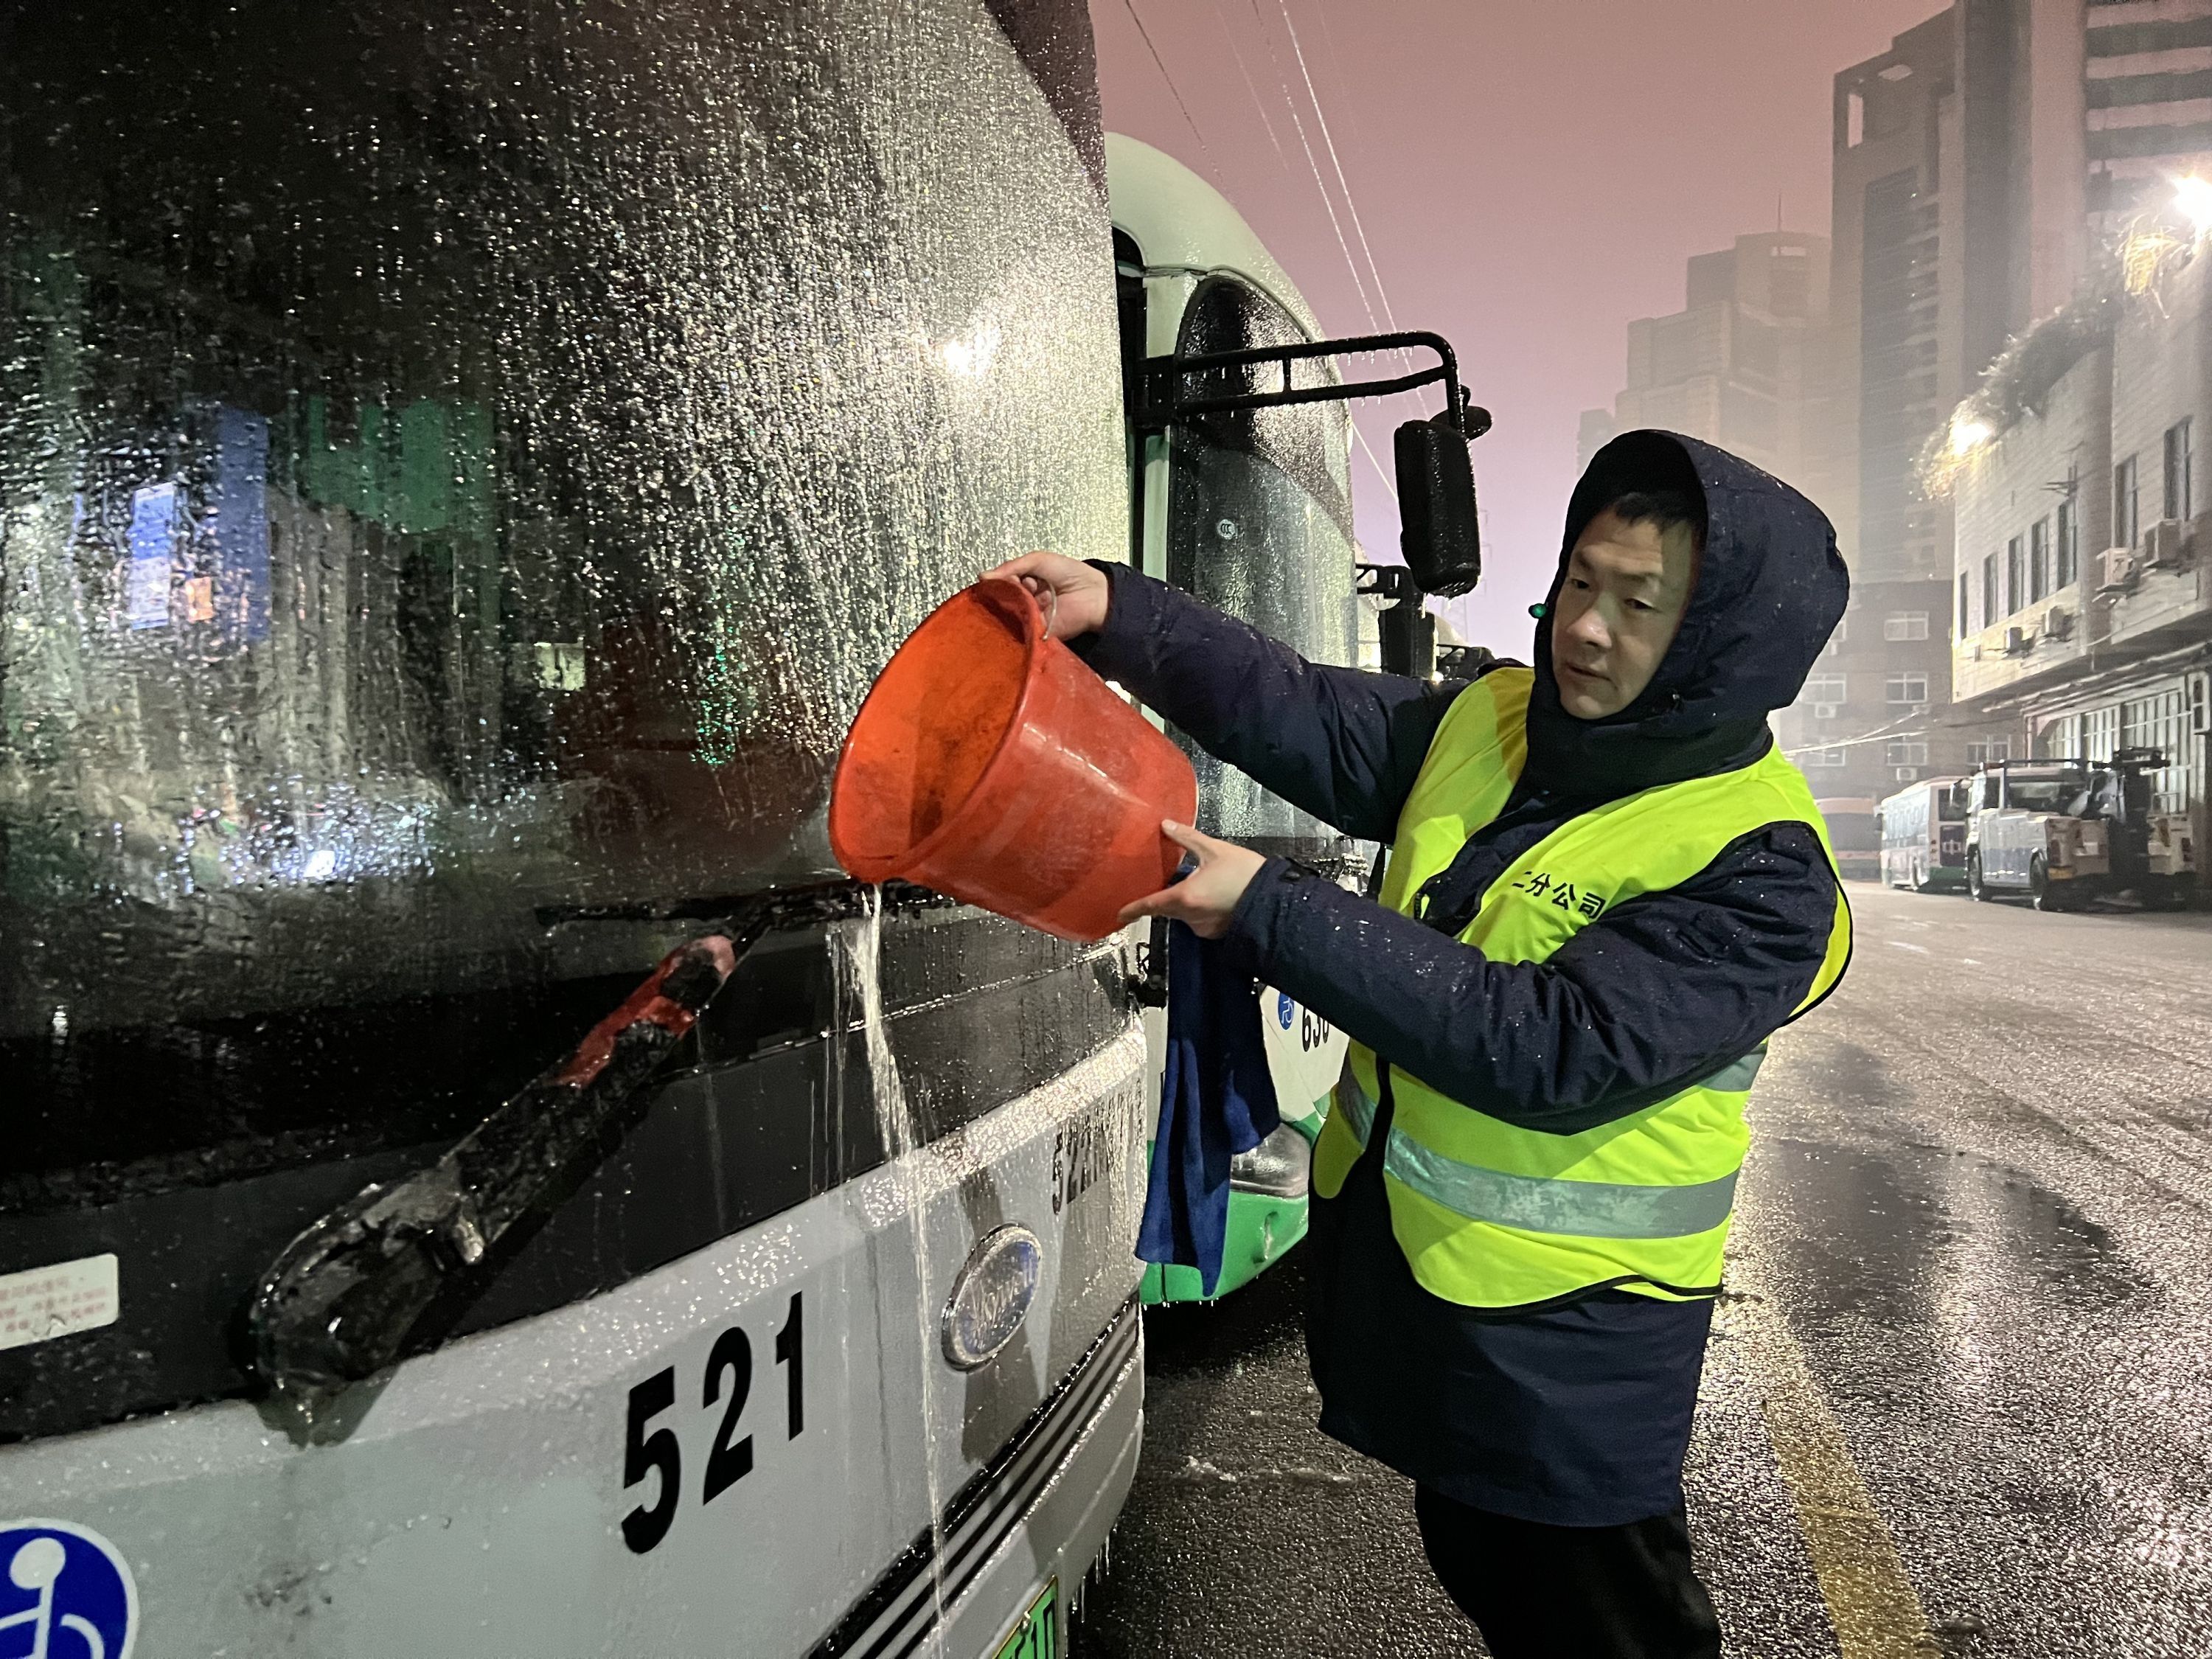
(1437, 530)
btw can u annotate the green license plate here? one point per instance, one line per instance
(1035, 1635)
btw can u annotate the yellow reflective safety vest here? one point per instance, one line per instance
(1490, 1215)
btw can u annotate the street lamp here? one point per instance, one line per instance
(1968, 435)
(2192, 195)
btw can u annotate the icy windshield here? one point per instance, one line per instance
(476, 479)
(1260, 526)
(2049, 792)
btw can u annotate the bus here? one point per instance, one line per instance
(459, 472)
(1855, 835)
(1923, 835)
(1250, 510)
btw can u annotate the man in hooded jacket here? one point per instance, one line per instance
(1606, 891)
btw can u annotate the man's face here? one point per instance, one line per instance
(1626, 588)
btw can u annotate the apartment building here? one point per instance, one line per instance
(1896, 356)
(2082, 583)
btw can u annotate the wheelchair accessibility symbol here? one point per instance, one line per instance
(64, 1593)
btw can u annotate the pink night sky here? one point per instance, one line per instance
(1529, 174)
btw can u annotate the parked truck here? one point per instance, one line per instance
(2066, 832)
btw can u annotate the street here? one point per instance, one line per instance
(1956, 1400)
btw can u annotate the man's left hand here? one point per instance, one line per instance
(1205, 899)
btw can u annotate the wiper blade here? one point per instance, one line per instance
(390, 1272)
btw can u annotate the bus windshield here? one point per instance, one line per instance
(1851, 831)
(378, 594)
(2043, 792)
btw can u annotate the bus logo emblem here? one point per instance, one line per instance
(991, 1296)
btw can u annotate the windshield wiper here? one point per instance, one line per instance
(390, 1272)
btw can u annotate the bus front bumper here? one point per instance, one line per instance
(1032, 1523)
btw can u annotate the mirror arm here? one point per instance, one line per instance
(1163, 401)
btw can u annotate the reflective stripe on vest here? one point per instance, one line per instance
(1552, 1204)
(1494, 1214)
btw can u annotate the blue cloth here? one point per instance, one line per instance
(1217, 1099)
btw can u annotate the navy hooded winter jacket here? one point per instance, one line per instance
(1575, 1415)
(1658, 991)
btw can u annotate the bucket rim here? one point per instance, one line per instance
(979, 592)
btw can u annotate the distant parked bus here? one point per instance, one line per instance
(1922, 832)
(1853, 833)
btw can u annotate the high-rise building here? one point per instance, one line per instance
(1731, 366)
(1978, 164)
(1952, 210)
(1597, 430)
(2148, 82)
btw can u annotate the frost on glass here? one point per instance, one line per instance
(1260, 525)
(455, 466)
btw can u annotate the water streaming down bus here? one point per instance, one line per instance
(459, 470)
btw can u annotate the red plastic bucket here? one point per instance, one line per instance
(989, 763)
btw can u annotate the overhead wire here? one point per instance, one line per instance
(1360, 285)
(1329, 206)
(1883, 733)
(1258, 104)
(1160, 64)
(1388, 484)
(1351, 205)
(1298, 125)
(1336, 63)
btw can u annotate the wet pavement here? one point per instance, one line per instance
(1957, 1401)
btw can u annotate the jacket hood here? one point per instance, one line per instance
(1771, 588)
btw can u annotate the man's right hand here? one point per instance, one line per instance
(1078, 594)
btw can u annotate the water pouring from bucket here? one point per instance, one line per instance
(989, 763)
